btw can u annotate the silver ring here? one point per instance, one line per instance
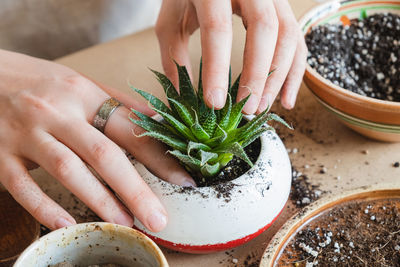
(104, 113)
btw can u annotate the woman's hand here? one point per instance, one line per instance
(273, 42)
(46, 112)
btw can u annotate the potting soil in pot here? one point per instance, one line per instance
(363, 57)
(357, 233)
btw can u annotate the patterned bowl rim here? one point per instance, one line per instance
(329, 11)
(370, 125)
(281, 238)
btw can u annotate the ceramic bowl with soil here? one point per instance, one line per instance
(357, 228)
(354, 62)
(94, 245)
(227, 212)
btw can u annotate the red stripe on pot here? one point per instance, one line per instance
(204, 249)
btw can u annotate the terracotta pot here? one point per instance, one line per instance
(93, 243)
(298, 221)
(377, 119)
(202, 222)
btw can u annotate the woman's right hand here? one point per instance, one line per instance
(46, 112)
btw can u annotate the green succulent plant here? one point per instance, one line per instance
(202, 138)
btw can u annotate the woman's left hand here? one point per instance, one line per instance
(273, 42)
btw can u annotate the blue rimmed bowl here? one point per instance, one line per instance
(374, 118)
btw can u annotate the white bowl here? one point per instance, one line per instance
(200, 222)
(93, 243)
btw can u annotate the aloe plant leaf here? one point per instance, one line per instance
(236, 114)
(189, 161)
(186, 89)
(230, 77)
(150, 126)
(209, 121)
(169, 89)
(167, 85)
(198, 130)
(200, 85)
(210, 170)
(253, 136)
(274, 117)
(169, 140)
(179, 126)
(233, 90)
(225, 113)
(218, 139)
(197, 146)
(183, 112)
(206, 156)
(154, 101)
(237, 150)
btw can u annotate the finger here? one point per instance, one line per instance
(215, 19)
(113, 166)
(292, 84)
(174, 27)
(125, 99)
(16, 179)
(163, 165)
(262, 25)
(284, 54)
(69, 169)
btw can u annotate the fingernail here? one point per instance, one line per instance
(266, 102)
(188, 183)
(157, 221)
(124, 219)
(63, 222)
(292, 99)
(217, 98)
(252, 104)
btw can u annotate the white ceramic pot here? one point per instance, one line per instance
(202, 222)
(93, 243)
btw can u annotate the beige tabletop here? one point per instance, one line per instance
(319, 138)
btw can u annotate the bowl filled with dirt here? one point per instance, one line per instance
(93, 245)
(354, 64)
(357, 228)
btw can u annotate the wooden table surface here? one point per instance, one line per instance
(318, 136)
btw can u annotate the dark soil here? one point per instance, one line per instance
(303, 192)
(363, 57)
(234, 169)
(358, 233)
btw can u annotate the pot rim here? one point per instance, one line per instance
(323, 8)
(83, 228)
(298, 220)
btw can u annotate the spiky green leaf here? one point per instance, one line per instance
(200, 85)
(154, 101)
(274, 117)
(209, 121)
(169, 89)
(225, 113)
(233, 90)
(206, 156)
(189, 161)
(198, 130)
(218, 139)
(169, 140)
(197, 146)
(236, 114)
(237, 150)
(183, 112)
(210, 170)
(179, 126)
(186, 89)
(254, 135)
